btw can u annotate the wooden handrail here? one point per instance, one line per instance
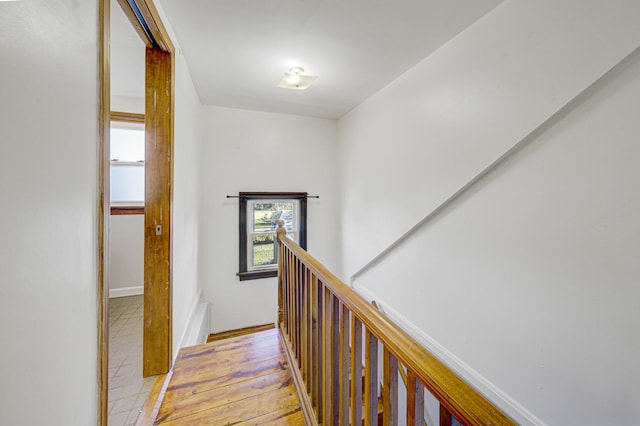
(299, 269)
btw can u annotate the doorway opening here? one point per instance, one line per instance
(158, 177)
(128, 390)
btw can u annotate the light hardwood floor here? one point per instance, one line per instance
(241, 380)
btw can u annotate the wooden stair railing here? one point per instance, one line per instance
(332, 332)
(445, 416)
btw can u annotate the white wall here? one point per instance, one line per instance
(458, 110)
(127, 103)
(48, 218)
(256, 151)
(528, 283)
(535, 269)
(126, 264)
(186, 203)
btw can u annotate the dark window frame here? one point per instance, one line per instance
(244, 197)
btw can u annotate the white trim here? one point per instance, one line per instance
(197, 329)
(512, 408)
(125, 291)
(127, 163)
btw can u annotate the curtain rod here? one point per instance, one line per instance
(247, 196)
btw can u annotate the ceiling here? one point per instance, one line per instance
(237, 50)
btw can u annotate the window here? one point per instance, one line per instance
(127, 163)
(259, 213)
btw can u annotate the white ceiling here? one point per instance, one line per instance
(237, 50)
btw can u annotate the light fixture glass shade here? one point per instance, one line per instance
(295, 79)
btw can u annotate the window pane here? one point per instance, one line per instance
(127, 183)
(288, 215)
(264, 250)
(127, 144)
(265, 215)
(127, 173)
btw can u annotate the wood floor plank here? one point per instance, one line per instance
(222, 395)
(294, 417)
(233, 362)
(238, 380)
(240, 354)
(192, 381)
(284, 399)
(256, 339)
(228, 362)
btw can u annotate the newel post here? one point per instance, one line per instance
(280, 233)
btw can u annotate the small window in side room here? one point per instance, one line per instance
(259, 213)
(127, 156)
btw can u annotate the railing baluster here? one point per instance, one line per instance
(285, 288)
(335, 361)
(313, 371)
(292, 319)
(320, 351)
(285, 302)
(288, 301)
(415, 400)
(344, 364)
(279, 316)
(303, 323)
(294, 292)
(296, 309)
(327, 362)
(445, 416)
(356, 371)
(308, 348)
(390, 390)
(371, 379)
(299, 312)
(299, 320)
(292, 298)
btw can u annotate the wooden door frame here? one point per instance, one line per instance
(158, 212)
(104, 122)
(159, 90)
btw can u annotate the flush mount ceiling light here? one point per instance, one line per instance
(296, 79)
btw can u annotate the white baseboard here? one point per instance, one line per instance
(512, 408)
(126, 291)
(197, 328)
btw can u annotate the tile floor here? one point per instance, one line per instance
(127, 389)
